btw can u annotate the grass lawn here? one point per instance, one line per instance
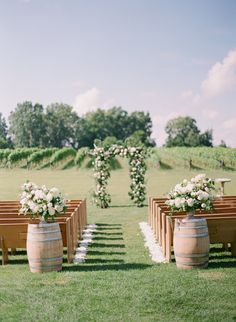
(118, 282)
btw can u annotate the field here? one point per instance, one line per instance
(118, 282)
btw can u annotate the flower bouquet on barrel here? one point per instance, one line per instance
(44, 240)
(191, 238)
(192, 195)
(41, 202)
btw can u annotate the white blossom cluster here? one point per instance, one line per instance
(137, 175)
(41, 202)
(192, 195)
(102, 157)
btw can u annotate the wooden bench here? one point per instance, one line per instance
(159, 219)
(13, 227)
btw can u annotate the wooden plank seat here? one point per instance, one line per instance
(13, 227)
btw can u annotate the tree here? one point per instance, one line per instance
(27, 125)
(222, 144)
(3, 133)
(140, 121)
(138, 138)
(183, 131)
(61, 125)
(114, 122)
(206, 138)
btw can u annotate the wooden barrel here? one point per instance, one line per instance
(191, 243)
(44, 247)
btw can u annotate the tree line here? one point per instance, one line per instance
(31, 125)
(58, 125)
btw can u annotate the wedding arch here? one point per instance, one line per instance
(102, 157)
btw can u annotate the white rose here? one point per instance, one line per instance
(51, 211)
(59, 208)
(182, 201)
(49, 197)
(203, 205)
(55, 192)
(190, 202)
(178, 202)
(189, 187)
(35, 208)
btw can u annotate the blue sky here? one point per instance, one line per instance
(171, 58)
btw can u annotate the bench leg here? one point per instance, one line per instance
(233, 249)
(4, 251)
(225, 246)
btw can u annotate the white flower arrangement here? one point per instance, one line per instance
(192, 195)
(102, 157)
(41, 202)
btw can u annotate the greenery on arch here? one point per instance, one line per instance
(102, 157)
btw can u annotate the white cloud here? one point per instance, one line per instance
(91, 100)
(210, 114)
(186, 94)
(222, 76)
(229, 124)
(87, 101)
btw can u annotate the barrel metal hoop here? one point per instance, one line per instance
(44, 232)
(191, 236)
(45, 268)
(189, 227)
(191, 255)
(194, 264)
(38, 260)
(43, 240)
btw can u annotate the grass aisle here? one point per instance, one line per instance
(118, 281)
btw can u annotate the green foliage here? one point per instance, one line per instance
(17, 156)
(4, 141)
(81, 155)
(139, 138)
(183, 131)
(39, 156)
(4, 153)
(201, 157)
(27, 125)
(61, 124)
(222, 144)
(63, 155)
(114, 122)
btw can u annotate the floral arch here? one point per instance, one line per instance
(102, 157)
